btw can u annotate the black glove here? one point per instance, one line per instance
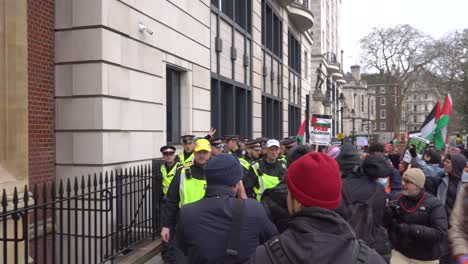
(412, 151)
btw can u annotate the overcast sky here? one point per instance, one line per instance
(434, 17)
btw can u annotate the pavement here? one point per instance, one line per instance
(155, 260)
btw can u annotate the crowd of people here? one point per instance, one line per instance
(235, 200)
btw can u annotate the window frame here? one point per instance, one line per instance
(384, 127)
(384, 112)
(384, 102)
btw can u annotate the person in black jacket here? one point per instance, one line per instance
(349, 160)
(446, 187)
(205, 226)
(362, 186)
(315, 234)
(417, 222)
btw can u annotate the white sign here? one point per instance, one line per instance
(320, 130)
(362, 141)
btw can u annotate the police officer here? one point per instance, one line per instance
(217, 146)
(265, 173)
(253, 149)
(242, 150)
(188, 186)
(231, 143)
(168, 169)
(186, 155)
(187, 143)
(286, 145)
(262, 141)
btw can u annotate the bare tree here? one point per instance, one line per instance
(398, 54)
(450, 71)
(448, 67)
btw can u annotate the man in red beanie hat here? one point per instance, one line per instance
(315, 234)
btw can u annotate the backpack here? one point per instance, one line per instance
(277, 255)
(362, 221)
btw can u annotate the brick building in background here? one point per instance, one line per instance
(27, 145)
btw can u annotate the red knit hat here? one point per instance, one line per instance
(315, 180)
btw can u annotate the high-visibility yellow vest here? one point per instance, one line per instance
(282, 157)
(244, 163)
(266, 181)
(167, 177)
(190, 189)
(183, 160)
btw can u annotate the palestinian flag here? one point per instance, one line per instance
(301, 132)
(321, 122)
(429, 126)
(442, 124)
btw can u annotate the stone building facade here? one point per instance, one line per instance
(101, 84)
(359, 112)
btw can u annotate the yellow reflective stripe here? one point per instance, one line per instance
(265, 181)
(244, 163)
(167, 177)
(191, 190)
(183, 160)
(261, 184)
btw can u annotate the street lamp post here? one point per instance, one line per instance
(354, 129)
(342, 103)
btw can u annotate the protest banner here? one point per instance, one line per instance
(320, 130)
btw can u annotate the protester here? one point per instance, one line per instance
(333, 151)
(275, 200)
(315, 234)
(446, 186)
(458, 233)
(430, 164)
(230, 223)
(348, 160)
(363, 188)
(416, 222)
(393, 187)
(394, 156)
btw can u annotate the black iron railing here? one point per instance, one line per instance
(91, 219)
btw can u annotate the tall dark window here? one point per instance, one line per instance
(240, 11)
(231, 108)
(294, 53)
(172, 105)
(272, 28)
(294, 121)
(272, 121)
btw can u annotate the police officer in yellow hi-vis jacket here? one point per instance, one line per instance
(187, 186)
(168, 169)
(265, 173)
(188, 143)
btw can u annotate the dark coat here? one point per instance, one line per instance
(204, 226)
(316, 235)
(419, 234)
(275, 203)
(360, 187)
